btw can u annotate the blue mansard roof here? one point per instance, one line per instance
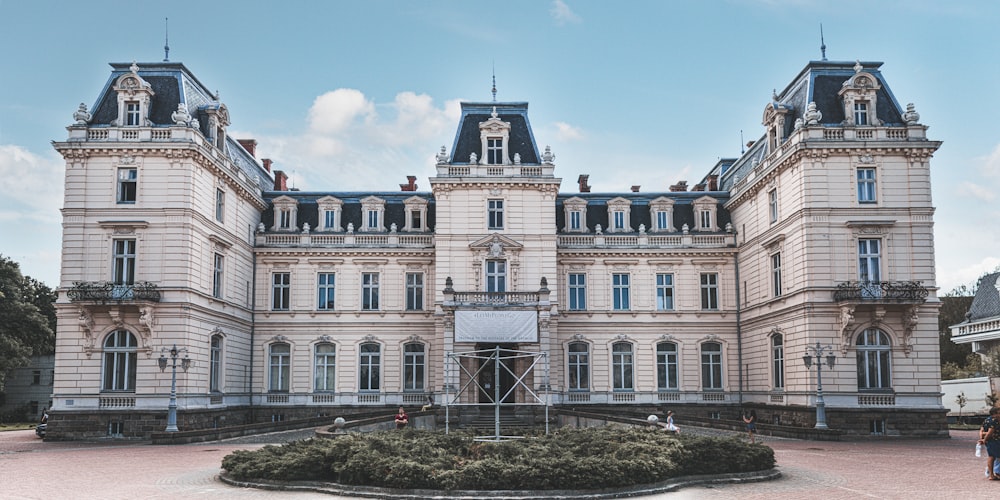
(522, 139)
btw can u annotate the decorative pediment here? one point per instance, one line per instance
(131, 83)
(496, 244)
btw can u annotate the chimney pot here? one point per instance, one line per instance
(635, 189)
(250, 145)
(582, 180)
(280, 181)
(267, 164)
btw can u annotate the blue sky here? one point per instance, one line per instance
(357, 95)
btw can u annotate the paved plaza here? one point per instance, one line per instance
(889, 469)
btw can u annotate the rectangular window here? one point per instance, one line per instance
(869, 268)
(123, 268)
(215, 364)
(579, 367)
(494, 210)
(496, 276)
(776, 275)
(413, 367)
(281, 291)
(662, 220)
(618, 220)
(706, 219)
(494, 151)
(370, 367)
(664, 292)
(778, 361)
(373, 220)
(217, 276)
(772, 205)
(416, 220)
(577, 292)
(866, 185)
(620, 291)
(711, 366)
(330, 219)
(414, 291)
(326, 368)
(574, 221)
(220, 205)
(284, 219)
(709, 291)
(127, 183)
(36, 377)
(861, 113)
(622, 366)
(369, 291)
(666, 366)
(132, 113)
(279, 364)
(326, 291)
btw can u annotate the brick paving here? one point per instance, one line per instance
(889, 469)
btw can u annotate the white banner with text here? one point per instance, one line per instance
(496, 326)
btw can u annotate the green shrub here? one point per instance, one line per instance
(567, 459)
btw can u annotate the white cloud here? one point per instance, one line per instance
(335, 111)
(32, 185)
(949, 279)
(567, 132)
(562, 14)
(977, 191)
(991, 164)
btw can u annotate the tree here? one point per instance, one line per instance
(954, 357)
(27, 318)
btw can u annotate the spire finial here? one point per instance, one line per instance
(822, 42)
(166, 39)
(742, 150)
(494, 81)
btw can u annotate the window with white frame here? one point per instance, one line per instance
(128, 181)
(330, 219)
(414, 291)
(861, 113)
(869, 267)
(220, 205)
(705, 209)
(575, 211)
(370, 367)
(578, 362)
(662, 210)
(776, 274)
(119, 362)
(372, 223)
(494, 150)
(326, 291)
(494, 214)
(496, 275)
(664, 292)
(132, 114)
(414, 363)
(279, 359)
(662, 220)
(218, 276)
(620, 291)
(622, 366)
(666, 366)
(874, 360)
(777, 361)
(575, 220)
(709, 291)
(284, 219)
(772, 205)
(123, 261)
(369, 291)
(577, 286)
(373, 209)
(711, 366)
(704, 219)
(286, 211)
(215, 364)
(866, 185)
(281, 291)
(618, 220)
(619, 215)
(325, 373)
(330, 210)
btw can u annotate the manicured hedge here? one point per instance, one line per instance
(592, 458)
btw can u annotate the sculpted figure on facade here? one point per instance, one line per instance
(846, 320)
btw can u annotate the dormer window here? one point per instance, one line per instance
(705, 209)
(494, 151)
(373, 211)
(575, 211)
(134, 96)
(662, 215)
(860, 98)
(330, 210)
(416, 214)
(861, 113)
(494, 135)
(619, 215)
(132, 113)
(285, 214)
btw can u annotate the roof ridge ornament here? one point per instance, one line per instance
(822, 42)
(493, 114)
(134, 67)
(857, 66)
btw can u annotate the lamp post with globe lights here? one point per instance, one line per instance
(174, 352)
(819, 351)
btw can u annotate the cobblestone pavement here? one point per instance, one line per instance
(889, 469)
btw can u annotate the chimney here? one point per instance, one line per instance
(267, 164)
(713, 183)
(250, 145)
(680, 186)
(280, 180)
(584, 187)
(411, 184)
(635, 189)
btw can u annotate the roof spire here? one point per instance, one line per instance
(494, 81)
(822, 43)
(166, 39)
(742, 150)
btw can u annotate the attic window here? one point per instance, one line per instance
(494, 151)
(575, 210)
(132, 113)
(861, 113)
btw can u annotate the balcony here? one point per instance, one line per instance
(344, 240)
(897, 292)
(644, 240)
(496, 298)
(106, 291)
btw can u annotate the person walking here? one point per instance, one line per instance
(751, 420)
(989, 436)
(670, 423)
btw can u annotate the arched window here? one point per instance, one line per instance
(215, 364)
(578, 360)
(326, 364)
(711, 366)
(666, 366)
(119, 362)
(413, 366)
(874, 367)
(369, 367)
(778, 361)
(622, 366)
(279, 367)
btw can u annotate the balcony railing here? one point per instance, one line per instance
(493, 298)
(643, 240)
(881, 291)
(106, 291)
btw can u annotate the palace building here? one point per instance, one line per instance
(494, 285)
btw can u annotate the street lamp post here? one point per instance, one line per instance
(185, 364)
(820, 351)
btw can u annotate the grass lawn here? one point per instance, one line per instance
(17, 426)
